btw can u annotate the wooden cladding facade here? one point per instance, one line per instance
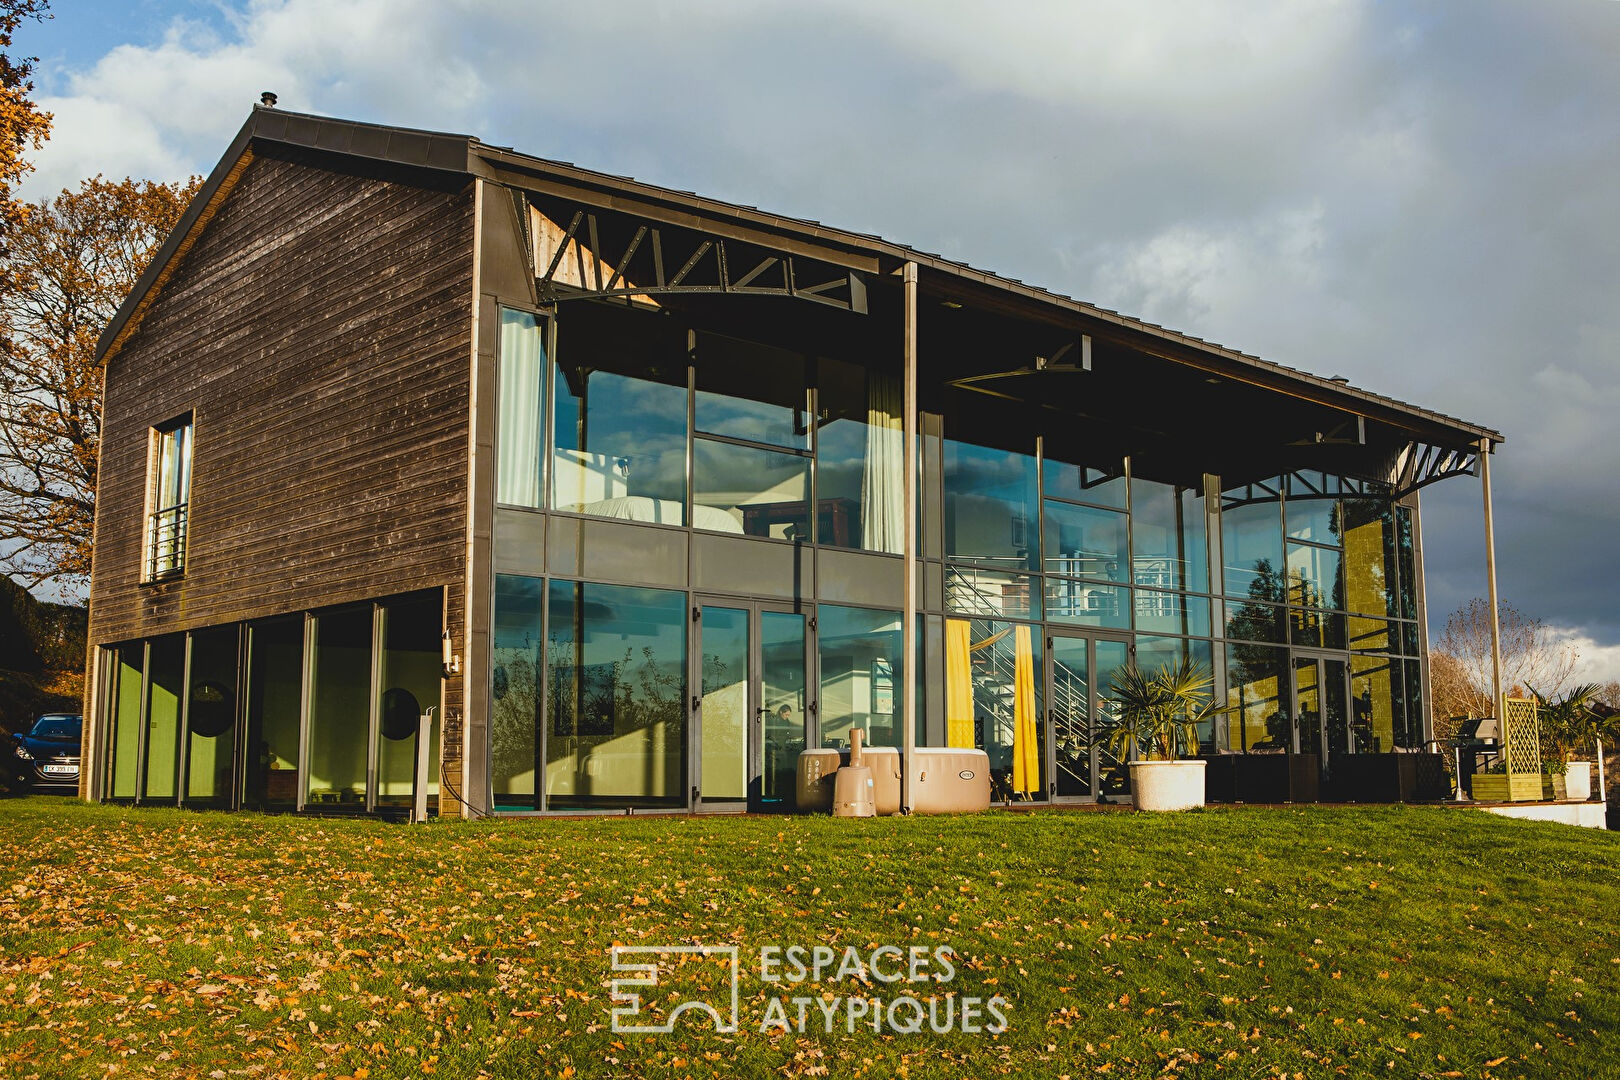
(319, 333)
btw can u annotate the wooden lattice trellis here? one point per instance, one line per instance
(1521, 753)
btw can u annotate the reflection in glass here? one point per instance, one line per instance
(522, 374)
(859, 448)
(1317, 629)
(1313, 577)
(340, 709)
(1369, 557)
(1308, 700)
(164, 675)
(1154, 652)
(411, 669)
(1251, 621)
(750, 391)
(514, 719)
(126, 720)
(993, 593)
(1371, 635)
(1168, 549)
(723, 652)
(1375, 705)
(1083, 483)
(1171, 613)
(1252, 549)
(1257, 695)
(993, 701)
(861, 669)
(1408, 572)
(746, 489)
(1417, 729)
(1082, 541)
(1113, 769)
(1085, 603)
(1316, 520)
(990, 505)
(1070, 711)
(784, 693)
(211, 716)
(620, 426)
(616, 698)
(275, 695)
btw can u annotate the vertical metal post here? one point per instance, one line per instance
(1490, 585)
(908, 623)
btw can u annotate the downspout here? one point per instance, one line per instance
(908, 623)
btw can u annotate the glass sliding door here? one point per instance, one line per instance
(515, 694)
(723, 651)
(340, 710)
(1069, 711)
(411, 665)
(126, 720)
(275, 694)
(784, 697)
(1321, 707)
(166, 663)
(1113, 766)
(211, 708)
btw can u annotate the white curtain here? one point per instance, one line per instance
(883, 507)
(517, 472)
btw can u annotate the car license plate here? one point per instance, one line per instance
(61, 770)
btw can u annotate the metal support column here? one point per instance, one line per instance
(1490, 585)
(908, 623)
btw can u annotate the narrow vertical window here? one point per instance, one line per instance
(171, 492)
(522, 386)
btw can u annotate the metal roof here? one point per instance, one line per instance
(466, 155)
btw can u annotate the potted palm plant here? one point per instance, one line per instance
(1567, 724)
(1157, 716)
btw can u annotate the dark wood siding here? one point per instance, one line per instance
(320, 332)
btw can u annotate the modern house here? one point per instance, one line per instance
(611, 478)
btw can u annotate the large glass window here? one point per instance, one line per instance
(515, 717)
(993, 701)
(412, 657)
(1171, 613)
(1257, 682)
(990, 505)
(1377, 718)
(274, 704)
(860, 443)
(751, 463)
(1168, 549)
(126, 720)
(616, 702)
(1370, 557)
(1086, 603)
(1154, 652)
(1252, 550)
(1314, 576)
(522, 397)
(164, 677)
(1100, 486)
(1083, 541)
(992, 593)
(620, 424)
(340, 709)
(861, 672)
(211, 716)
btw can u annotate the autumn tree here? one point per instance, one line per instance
(1460, 662)
(22, 126)
(70, 263)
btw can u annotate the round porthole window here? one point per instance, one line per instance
(212, 709)
(400, 713)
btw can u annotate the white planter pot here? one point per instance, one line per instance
(1578, 780)
(1167, 785)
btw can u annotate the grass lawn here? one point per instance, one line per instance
(1235, 943)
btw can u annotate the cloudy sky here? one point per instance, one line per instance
(1422, 196)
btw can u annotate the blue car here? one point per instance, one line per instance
(47, 757)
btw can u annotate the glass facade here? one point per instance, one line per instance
(237, 715)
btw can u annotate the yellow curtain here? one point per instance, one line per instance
(1026, 749)
(958, 684)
